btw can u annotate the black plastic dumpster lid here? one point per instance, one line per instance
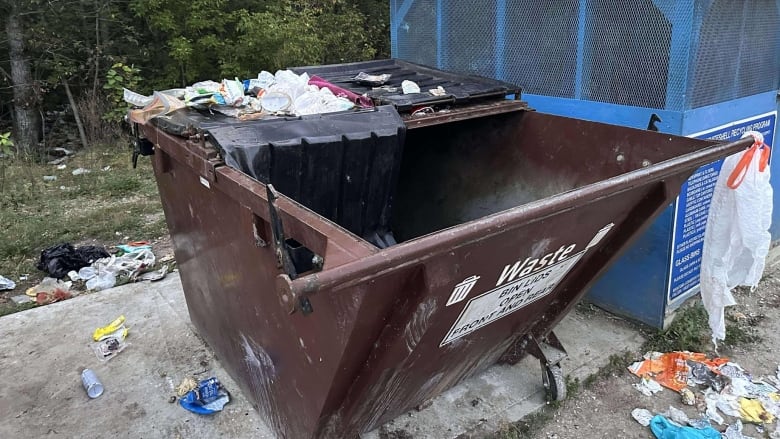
(459, 89)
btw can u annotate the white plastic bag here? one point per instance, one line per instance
(736, 240)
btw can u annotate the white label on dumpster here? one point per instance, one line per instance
(508, 298)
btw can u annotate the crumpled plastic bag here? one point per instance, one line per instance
(60, 259)
(643, 416)
(736, 239)
(663, 429)
(209, 397)
(6, 284)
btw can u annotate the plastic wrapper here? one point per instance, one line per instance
(6, 284)
(642, 416)
(207, 398)
(409, 87)
(372, 80)
(672, 369)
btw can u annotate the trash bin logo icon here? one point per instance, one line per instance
(462, 290)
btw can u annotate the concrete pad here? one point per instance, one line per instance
(43, 350)
(506, 394)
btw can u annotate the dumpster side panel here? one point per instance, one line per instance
(428, 346)
(285, 364)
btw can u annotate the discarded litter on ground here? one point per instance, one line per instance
(673, 369)
(110, 339)
(154, 276)
(104, 272)
(20, 299)
(106, 331)
(662, 428)
(91, 383)
(726, 388)
(6, 284)
(187, 384)
(135, 246)
(60, 259)
(642, 416)
(687, 397)
(208, 397)
(50, 290)
(648, 386)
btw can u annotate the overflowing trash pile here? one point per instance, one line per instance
(93, 268)
(719, 390)
(282, 94)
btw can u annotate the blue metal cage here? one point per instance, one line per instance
(701, 68)
(665, 54)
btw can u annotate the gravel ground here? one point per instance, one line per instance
(603, 408)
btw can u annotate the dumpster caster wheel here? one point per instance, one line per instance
(554, 383)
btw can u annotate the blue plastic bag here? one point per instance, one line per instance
(209, 397)
(663, 429)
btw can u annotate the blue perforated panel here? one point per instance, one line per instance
(664, 54)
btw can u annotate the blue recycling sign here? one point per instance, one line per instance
(693, 204)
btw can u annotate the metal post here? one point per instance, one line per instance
(439, 32)
(682, 20)
(580, 67)
(499, 54)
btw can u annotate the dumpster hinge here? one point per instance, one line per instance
(291, 256)
(283, 258)
(141, 145)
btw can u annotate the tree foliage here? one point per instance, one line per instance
(173, 43)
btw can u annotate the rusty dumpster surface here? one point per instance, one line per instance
(503, 218)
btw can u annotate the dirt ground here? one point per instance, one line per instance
(603, 409)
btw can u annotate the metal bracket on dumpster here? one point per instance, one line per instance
(549, 350)
(141, 145)
(291, 256)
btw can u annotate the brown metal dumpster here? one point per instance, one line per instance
(502, 218)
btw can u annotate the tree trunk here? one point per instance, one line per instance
(26, 118)
(75, 113)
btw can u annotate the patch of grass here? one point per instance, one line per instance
(102, 205)
(527, 427)
(740, 331)
(121, 185)
(11, 307)
(573, 386)
(688, 332)
(617, 365)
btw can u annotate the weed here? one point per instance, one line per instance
(617, 365)
(572, 386)
(688, 332)
(10, 307)
(526, 427)
(742, 330)
(121, 185)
